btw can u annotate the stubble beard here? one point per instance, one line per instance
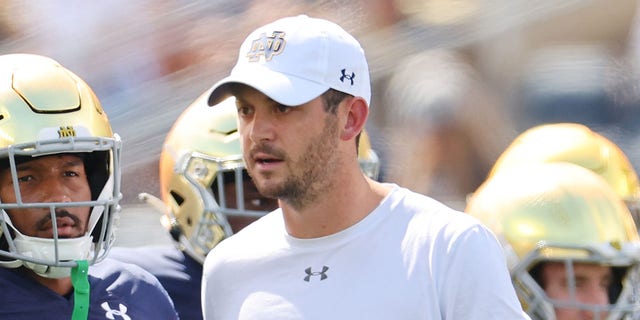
(309, 177)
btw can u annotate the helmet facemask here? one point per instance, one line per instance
(623, 291)
(54, 257)
(219, 188)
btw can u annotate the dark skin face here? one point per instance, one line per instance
(56, 178)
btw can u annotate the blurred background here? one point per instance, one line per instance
(454, 81)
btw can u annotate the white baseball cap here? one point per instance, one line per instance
(294, 60)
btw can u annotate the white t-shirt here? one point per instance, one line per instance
(411, 258)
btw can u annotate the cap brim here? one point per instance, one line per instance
(282, 88)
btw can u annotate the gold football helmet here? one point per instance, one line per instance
(576, 143)
(205, 192)
(46, 109)
(564, 213)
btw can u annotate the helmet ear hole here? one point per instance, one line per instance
(177, 197)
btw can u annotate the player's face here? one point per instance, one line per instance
(56, 178)
(253, 200)
(289, 151)
(592, 283)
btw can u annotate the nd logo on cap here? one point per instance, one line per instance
(267, 46)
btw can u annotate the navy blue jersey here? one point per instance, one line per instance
(179, 274)
(118, 291)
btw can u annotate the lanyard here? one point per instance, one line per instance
(80, 281)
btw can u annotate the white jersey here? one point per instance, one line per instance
(411, 258)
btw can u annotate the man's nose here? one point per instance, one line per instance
(56, 191)
(262, 127)
(597, 295)
(594, 295)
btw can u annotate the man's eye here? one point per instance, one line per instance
(71, 174)
(25, 178)
(283, 109)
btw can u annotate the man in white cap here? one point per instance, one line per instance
(341, 246)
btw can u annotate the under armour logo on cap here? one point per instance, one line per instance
(348, 77)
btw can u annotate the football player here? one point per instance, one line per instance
(59, 198)
(570, 242)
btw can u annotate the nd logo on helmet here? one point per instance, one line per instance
(67, 131)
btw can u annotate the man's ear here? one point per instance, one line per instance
(357, 113)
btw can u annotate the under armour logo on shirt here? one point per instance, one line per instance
(346, 76)
(112, 313)
(322, 274)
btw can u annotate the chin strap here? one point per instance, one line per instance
(80, 281)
